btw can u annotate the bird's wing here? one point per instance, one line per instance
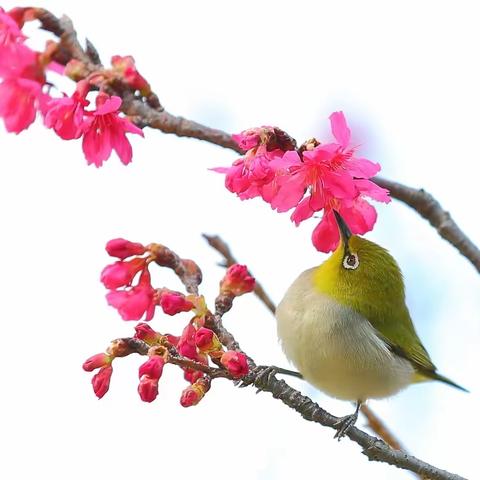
(402, 339)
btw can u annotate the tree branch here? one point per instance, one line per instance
(153, 116)
(430, 209)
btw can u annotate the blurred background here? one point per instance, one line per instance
(405, 74)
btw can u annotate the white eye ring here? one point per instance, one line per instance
(350, 261)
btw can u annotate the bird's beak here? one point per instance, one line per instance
(343, 227)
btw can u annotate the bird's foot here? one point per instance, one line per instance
(344, 424)
(259, 376)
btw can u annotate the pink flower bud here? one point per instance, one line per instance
(206, 340)
(186, 344)
(121, 274)
(172, 339)
(194, 393)
(237, 281)
(101, 381)
(173, 302)
(148, 388)
(125, 66)
(121, 248)
(235, 362)
(97, 361)
(152, 368)
(146, 333)
(192, 376)
(248, 138)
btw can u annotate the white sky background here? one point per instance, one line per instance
(407, 79)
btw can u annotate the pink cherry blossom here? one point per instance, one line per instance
(134, 303)
(121, 274)
(359, 215)
(251, 175)
(12, 51)
(106, 131)
(316, 177)
(19, 100)
(66, 115)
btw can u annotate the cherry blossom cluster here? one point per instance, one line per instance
(312, 178)
(198, 350)
(26, 90)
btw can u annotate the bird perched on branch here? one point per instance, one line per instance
(346, 327)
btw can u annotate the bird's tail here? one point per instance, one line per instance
(421, 377)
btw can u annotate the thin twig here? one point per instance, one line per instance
(220, 246)
(379, 427)
(139, 346)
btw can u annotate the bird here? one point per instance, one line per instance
(347, 329)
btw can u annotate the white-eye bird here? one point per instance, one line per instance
(347, 329)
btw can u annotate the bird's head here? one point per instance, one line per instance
(358, 269)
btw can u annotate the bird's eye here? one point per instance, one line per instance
(350, 261)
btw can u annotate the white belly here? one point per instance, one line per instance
(336, 349)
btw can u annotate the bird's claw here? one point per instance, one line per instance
(259, 377)
(344, 424)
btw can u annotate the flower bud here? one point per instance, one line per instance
(76, 70)
(146, 333)
(125, 66)
(186, 344)
(148, 388)
(237, 281)
(236, 363)
(172, 339)
(97, 361)
(195, 392)
(153, 367)
(192, 376)
(206, 340)
(101, 381)
(173, 302)
(121, 248)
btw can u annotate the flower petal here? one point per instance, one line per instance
(363, 168)
(340, 130)
(360, 217)
(325, 236)
(372, 190)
